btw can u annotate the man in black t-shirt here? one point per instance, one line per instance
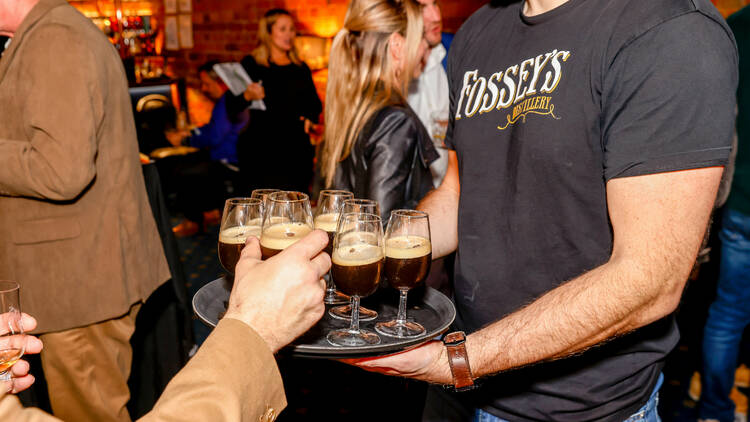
(589, 139)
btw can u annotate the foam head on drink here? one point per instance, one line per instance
(327, 223)
(278, 237)
(356, 268)
(407, 261)
(232, 241)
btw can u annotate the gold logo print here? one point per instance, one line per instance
(536, 105)
(519, 90)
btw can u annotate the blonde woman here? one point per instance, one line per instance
(375, 144)
(275, 150)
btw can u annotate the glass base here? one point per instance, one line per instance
(334, 297)
(400, 329)
(352, 338)
(345, 313)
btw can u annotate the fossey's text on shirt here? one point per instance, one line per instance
(507, 88)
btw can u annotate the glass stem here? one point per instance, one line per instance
(354, 327)
(330, 287)
(401, 318)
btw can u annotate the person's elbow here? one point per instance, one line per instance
(68, 186)
(671, 292)
(666, 295)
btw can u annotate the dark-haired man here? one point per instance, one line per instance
(202, 183)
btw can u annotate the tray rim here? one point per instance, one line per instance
(318, 352)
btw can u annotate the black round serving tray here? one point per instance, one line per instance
(427, 306)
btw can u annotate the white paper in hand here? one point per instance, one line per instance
(237, 80)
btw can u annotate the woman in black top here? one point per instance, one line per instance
(275, 150)
(375, 145)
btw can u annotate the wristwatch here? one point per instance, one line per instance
(455, 344)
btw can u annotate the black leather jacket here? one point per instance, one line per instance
(390, 161)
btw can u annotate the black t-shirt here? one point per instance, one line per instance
(547, 110)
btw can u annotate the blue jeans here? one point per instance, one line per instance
(727, 318)
(647, 413)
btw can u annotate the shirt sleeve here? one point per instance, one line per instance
(61, 115)
(668, 99)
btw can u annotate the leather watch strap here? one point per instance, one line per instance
(455, 344)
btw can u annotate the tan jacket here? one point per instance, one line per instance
(233, 377)
(76, 228)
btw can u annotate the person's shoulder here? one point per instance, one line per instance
(485, 16)
(70, 18)
(392, 114)
(249, 62)
(631, 19)
(392, 124)
(55, 37)
(495, 14)
(66, 28)
(302, 65)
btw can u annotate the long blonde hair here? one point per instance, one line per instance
(262, 52)
(361, 78)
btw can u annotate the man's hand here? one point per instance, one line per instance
(428, 362)
(20, 378)
(281, 297)
(254, 91)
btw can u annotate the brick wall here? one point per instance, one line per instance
(226, 29)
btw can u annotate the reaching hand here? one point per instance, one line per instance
(20, 378)
(281, 297)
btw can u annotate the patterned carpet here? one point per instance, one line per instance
(201, 263)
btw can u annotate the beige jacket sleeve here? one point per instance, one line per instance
(232, 378)
(11, 409)
(61, 116)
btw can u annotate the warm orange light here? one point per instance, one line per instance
(326, 27)
(95, 9)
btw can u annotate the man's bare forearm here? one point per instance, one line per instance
(442, 206)
(569, 319)
(656, 242)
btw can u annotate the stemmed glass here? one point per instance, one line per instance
(440, 121)
(263, 194)
(326, 218)
(356, 206)
(408, 254)
(12, 337)
(287, 219)
(240, 220)
(357, 262)
(360, 205)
